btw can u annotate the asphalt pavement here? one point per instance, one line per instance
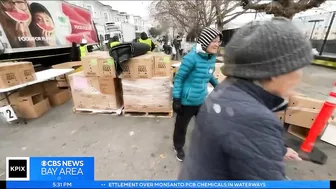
(136, 148)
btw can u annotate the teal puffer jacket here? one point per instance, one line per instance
(192, 78)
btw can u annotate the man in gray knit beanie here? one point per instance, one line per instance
(264, 49)
(237, 136)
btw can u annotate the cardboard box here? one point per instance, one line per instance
(99, 93)
(126, 67)
(305, 102)
(79, 82)
(106, 67)
(153, 86)
(90, 66)
(302, 117)
(32, 89)
(50, 86)
(108, 102)
(82, 100)
(162, 65)
(94, 85)
(3, 100)
(32, 106)
(9, 75)
(281, 116)
(147, 103)
(58, 97)
(298, 131)
(109, 86)
(26, 71)
(63, 80)
(141, 66)
(151, 95)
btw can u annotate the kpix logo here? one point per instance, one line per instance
(17, 168)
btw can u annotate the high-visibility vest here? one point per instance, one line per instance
(114, 43)
(83, 50)
(148, 42)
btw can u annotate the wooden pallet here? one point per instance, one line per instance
(131, 113)
(116, 112)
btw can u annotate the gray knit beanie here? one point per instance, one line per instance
(207, 35)
(265, 49)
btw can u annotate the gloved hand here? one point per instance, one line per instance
(177, 106)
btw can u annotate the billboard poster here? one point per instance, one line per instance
(30, 24)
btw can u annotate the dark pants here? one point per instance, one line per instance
(181, 124)
(177, 55)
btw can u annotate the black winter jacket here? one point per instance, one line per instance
(237, 136)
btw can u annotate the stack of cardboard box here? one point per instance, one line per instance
(35, 100)
(300, 115)
(16, 73)
(96, 88)
(146, 83)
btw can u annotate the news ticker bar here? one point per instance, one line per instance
(168, 184)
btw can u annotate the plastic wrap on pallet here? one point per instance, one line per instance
(95, 93)
(84, 84)
(155, 85)
(150, 95)
(150, 103)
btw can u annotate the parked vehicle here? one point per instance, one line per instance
(43, 31)
(124, 31)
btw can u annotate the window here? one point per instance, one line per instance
(106, 17)
(90, 8)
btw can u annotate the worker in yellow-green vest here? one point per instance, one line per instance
(83, 47)
(144, 39)
(114, 41)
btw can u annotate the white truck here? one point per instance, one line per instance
(125, 31)
(46, 33)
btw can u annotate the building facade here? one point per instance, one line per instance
(101, 14)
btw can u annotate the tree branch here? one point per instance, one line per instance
(233, 17)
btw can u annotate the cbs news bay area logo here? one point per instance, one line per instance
(18, 168)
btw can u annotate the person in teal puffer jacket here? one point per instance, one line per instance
(191, 83)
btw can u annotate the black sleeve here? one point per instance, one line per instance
(153, 46)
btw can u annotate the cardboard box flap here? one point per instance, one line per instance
(297, 131)
(303, 117)
(50, 86)
(32, 89)
(59, 97)
(74, 65)
(305, 102)
(32, 98)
